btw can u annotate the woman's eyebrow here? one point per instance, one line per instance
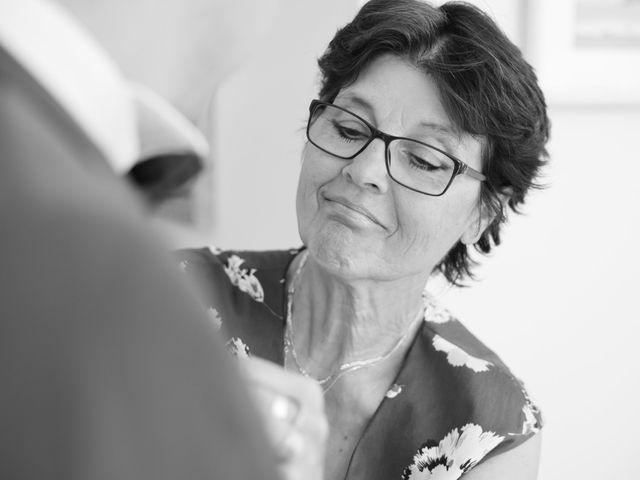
(441, 128)
(449, 134)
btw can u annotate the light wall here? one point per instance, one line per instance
(557, 300)
(259, 116)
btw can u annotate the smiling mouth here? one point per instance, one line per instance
(355, 208)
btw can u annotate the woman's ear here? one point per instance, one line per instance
(482, 217)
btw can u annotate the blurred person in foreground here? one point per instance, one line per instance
(109, 369)
(428, 125)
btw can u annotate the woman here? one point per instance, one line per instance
(428, 124)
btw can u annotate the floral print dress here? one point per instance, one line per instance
(452, 405)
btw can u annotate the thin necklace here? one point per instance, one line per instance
(329, 381)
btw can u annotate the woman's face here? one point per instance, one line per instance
(355, 220)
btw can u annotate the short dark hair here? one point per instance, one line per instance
(486, 87)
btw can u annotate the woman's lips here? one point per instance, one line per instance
(345, 202)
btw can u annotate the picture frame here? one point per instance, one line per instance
(585, 52)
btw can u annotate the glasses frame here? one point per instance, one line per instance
(460, 167)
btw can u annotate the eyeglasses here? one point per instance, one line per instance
(415, 165)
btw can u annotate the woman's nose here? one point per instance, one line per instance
(368, 169)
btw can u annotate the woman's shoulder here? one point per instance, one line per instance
(470, 386)
(494, 389)
(451, 336)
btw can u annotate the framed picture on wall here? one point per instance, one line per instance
(586, 52)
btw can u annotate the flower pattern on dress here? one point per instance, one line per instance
(458, 357)
(434, 311)
(215, 250)
(458, 452)
(214, 316)
(530, 424)
(183, 265)
(531, 413)
(244, 279)
(238, 348)
(394, 391)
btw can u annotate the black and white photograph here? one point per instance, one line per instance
(319, 239)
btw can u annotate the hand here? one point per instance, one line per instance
(293, 409)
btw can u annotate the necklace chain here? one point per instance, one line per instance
(329, 381)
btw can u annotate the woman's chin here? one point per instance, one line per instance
(341, 251)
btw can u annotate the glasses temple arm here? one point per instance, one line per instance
(471, 172)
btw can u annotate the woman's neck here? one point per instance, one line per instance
(336, 321)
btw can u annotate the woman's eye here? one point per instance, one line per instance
(349, 133)
(423, 164)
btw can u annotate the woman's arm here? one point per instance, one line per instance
(521, 463)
